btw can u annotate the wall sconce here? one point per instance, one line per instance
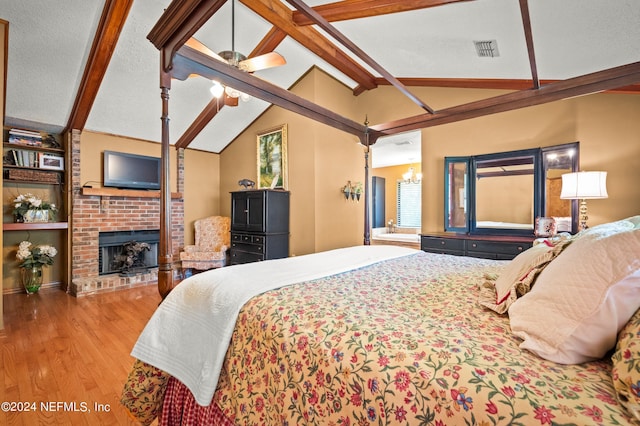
(582, 186)
(411, 177)
(352, 190)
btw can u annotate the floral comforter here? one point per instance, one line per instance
(403, 342)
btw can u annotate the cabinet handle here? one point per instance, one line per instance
(474, 245)
(442, 242)
(246, 210)
(519, 248)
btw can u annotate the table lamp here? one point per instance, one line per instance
(582, 186)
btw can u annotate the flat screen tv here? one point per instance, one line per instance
(130, 171)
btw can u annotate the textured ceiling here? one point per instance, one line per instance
(49, 43)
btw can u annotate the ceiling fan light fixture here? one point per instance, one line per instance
(231, 92)
(217, 89)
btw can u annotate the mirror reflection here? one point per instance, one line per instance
(557, 161)
(505, 193)
(456, 197)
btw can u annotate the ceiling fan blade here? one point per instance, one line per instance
(268, 60)
(194, 43)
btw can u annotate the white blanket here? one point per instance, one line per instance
(189, 333)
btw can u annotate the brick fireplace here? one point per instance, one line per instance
(127, 211)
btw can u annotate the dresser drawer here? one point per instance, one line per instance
(438, 245)
(499, 248)
(238, 257)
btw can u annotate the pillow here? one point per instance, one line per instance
(626, 366)
(584, 297)
(519, 275)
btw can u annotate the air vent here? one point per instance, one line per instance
(402, 143)
(487, 48)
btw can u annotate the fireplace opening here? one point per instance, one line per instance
(115, 248)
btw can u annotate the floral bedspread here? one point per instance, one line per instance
(400, 342)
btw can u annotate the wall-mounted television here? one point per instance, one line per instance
(130, 171)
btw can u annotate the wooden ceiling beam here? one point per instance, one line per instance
(528, 35)
(280, 16)
(114, 15)
(269, 42)
(188, 60)
(211, 110)
(490, 83)
(337, 35)
(355, 9)
(587, 84)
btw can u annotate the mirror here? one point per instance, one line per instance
(556, 161)
(503, 193)
(457, 171)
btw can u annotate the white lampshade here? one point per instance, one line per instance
(584, 185)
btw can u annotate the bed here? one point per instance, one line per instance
(391, 335)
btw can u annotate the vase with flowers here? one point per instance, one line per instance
(33, 258)
(31, 208)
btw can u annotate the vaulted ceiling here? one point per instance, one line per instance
(88, 64)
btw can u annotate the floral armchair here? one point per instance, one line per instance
(212, 244)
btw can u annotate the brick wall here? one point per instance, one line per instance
(91, 215)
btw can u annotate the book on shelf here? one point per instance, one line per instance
(25, 137)
(23, 158)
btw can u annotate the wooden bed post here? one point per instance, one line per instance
(165, 250)
(365, 142)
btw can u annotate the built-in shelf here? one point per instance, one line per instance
(115, 192)
(11, 226)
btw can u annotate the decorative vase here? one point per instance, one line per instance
(31, 278)
(32, 216)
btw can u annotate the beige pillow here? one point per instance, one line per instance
(584, 297)
(626, 366)
(519, 275)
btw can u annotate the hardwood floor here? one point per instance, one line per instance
(61, 353)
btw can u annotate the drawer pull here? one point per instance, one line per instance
(474, 245)
(519, 248)
(442, 242)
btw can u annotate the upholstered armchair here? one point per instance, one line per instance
(211, 249)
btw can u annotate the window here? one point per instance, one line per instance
(409, 204)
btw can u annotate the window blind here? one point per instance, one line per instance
(409, 205)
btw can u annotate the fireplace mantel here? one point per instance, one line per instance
(135, 193)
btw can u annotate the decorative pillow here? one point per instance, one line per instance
(519, 275)
(626, 366)
(584, 297)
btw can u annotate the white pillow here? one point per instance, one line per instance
(517, 278)
(584, 297)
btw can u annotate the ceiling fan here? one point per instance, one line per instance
(238, 60)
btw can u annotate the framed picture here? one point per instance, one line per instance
(272, 158)
(50, 162)
(545, 227)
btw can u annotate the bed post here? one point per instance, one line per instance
(367, 231)
(165, 252)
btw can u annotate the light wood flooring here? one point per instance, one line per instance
(58, 349)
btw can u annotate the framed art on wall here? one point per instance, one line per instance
(272, 158)
(50, 162)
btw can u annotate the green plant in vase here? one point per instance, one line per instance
(33, 258)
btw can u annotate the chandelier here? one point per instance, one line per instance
(410, 176)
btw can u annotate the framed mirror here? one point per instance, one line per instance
(556, 161)
(506, 193)
(456, 191)
(503, 193)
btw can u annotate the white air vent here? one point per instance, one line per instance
(402, 143)
(487, 48)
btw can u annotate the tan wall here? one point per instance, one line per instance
(320, 161)
(202, 173)
(606, 125)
